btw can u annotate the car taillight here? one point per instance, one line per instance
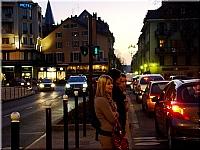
(179, 113)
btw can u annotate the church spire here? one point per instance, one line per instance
(49, 19)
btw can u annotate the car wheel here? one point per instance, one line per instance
(171, 140)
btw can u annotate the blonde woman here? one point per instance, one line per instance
(106, 110)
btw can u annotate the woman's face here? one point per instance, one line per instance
(109, 86)
(122, 85)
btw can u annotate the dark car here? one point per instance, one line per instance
(177, 114)
(154, 88)
(46, 84)
(182, 77)
(76, 83)
(19, 82)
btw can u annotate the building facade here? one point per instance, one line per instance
(27, 53)
(61, 48)
(169, 42)
(21, 39)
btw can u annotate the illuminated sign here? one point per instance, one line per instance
(25, 5)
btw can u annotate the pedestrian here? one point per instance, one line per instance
(124, 102)
(106, 110)
(118, 96)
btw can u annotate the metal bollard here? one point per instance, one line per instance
(76, 119)
(48, 126)
(15, 130)
(65, 118)
(84, 112)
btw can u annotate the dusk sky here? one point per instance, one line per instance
(124, 17)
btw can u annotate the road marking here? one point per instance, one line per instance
(29, 108)
(147, 141)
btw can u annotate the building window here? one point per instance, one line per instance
(84, 43)
(67, 43)
(75, 57)
(30, 14)
(75, 33)
(48, 57)
(59, 57)
(31, 28)
(75, 44)
(85, 33)
(162, 60)
(58, 44)
(65, 26)
(174, 60)
(31, 41)
(101, 55)
(25, 28)
(5, 40)
(74, 25)
(173, 46)
(58, 34)
(24, 13)
(182, 11)
(161, 44)
(25, 40)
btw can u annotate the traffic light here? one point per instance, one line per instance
(95, 50)
(84, 50)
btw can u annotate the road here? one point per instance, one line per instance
(33, 115)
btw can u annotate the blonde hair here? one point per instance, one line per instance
(101, 85)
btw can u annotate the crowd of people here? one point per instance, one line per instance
(110, 103)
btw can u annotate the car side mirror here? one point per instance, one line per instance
(155, 99)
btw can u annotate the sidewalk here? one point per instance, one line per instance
(87, 142)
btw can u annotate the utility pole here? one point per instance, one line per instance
(90, 62)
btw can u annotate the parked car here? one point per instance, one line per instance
(182, 77)
(129, 77)
(143, 80)
(46, 84)
(19, 82)
(76, 83)
(177, 112)
(154, 88)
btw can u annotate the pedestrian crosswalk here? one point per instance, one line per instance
(147, 141)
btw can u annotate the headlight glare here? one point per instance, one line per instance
(67, 86)
(85, 85)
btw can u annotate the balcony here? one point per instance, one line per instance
(7, 31)
(7, 17)
(172, 50)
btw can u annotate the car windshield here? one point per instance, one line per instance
(77, 79)
(146, 79)
(46, 81)
(189, 94)
(157, 88)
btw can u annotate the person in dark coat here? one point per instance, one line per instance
(118, 96)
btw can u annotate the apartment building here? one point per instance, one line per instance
(21, 39)
(61, 48)
(169, 42)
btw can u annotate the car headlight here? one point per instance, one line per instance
(28, 83)
(85, 85)
(52, 85)
(41, 85)
(67, 86)
(22, 83)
